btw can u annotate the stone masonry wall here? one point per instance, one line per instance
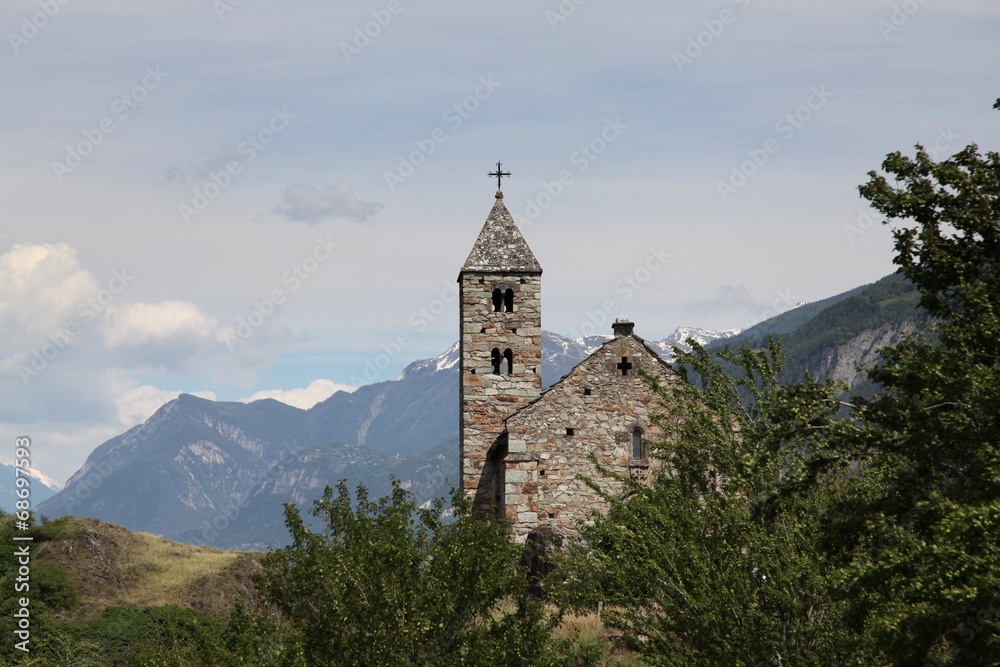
(602, 407)
(488, 398)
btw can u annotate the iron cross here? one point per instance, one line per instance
(499, 174)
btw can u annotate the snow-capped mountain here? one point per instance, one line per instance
(442, 362)
(41, 485)
(681, 335)
(44, 479)
(560, 353)
(586, 345)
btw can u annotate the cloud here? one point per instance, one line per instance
(72, 346)
(41, 287)
(136, 403)
(62, 330)
(728, 299)
(309, 204)
(140, 323)
(319, 390)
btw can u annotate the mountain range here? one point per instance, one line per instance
(217, 473)
(40, 486)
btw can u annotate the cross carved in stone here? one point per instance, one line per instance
(624, 366)
(499, 174)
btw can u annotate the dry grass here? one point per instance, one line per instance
(583, 630)
(110, 566)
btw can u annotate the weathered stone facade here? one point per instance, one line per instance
(522, 450)
(600, 409)
(500, 348)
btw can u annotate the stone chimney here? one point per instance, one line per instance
(622, 326)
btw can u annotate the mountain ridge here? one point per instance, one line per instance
(220, 471)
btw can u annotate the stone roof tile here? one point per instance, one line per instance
(500, 247)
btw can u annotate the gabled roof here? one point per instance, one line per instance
(500, 247)
(664, 366)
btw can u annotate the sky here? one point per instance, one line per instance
(239, 199)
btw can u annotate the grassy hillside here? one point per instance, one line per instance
(105, 597)
(107, 566)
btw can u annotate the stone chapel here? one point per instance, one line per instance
(521, 448)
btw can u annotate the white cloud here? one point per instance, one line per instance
(307, 203)
(319, 390)
(41, 288)
(139, 323)
(729, 298)
(136, 403)
(71, 348)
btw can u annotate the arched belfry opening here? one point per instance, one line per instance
(496, 361)
(497, 300)
(508, 301)
(508, 357)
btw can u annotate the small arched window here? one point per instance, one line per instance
(497, 300)
(509, 358)
(637, 448)
(508, 301)
(495, 360)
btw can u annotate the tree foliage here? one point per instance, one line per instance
(922, 558)
(782, 532)
(692, 570)
(388, 583)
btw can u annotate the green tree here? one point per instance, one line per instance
(388, 583)
(921, 558)
(692, 570)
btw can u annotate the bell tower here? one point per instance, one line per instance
(500, 348)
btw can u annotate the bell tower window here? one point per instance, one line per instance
(509, 358)
(497, 300)
(495, 360)
(508, 301)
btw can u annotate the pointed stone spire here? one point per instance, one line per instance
(500, 247)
